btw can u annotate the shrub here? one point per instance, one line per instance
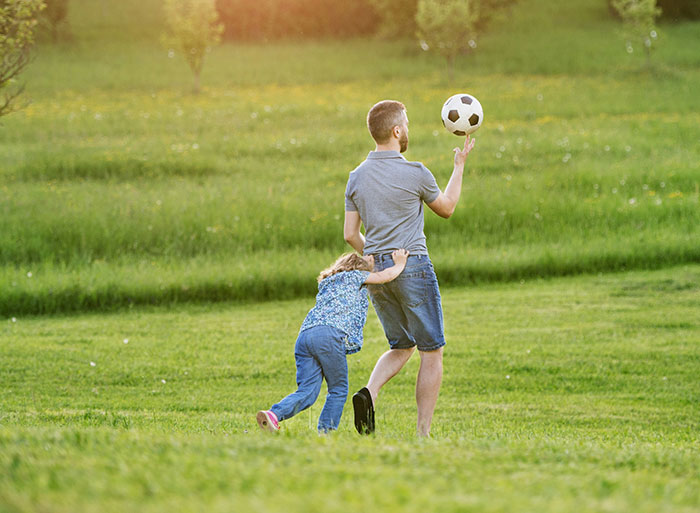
(18, 20)
(193, 29)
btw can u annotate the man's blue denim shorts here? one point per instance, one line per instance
(409, 307)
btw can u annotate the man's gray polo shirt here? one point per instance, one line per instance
(388, 191)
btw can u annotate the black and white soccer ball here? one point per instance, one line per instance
(462, 114)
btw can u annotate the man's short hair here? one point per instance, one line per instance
(383, 117)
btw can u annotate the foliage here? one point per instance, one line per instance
(674, 10)
(447, 27)
(193, 28)
(398, 17)
(18, 19)
(265, 20)
(55, 14)
(639, 23)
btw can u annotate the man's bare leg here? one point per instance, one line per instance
(388, 365)
(428, 388)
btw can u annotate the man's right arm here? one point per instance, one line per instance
(351, 231)
(444, 205)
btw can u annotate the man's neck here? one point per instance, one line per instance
(390, 146)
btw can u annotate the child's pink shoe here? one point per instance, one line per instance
(267, 420)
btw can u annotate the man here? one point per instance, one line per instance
(386, 193)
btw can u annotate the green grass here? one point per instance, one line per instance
(566, 395)
(586, 162)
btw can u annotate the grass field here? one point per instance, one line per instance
(158, 252)
(566, 395)
(586, 162)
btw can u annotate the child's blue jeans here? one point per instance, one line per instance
(319, 354)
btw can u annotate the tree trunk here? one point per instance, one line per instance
(197, 88)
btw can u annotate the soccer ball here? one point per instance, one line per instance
(462, 114)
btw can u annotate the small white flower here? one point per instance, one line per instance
(92, 364)
(632, 201)
(424, 46)
(14, 319)
(126, 340)
(472, 43)
(195, 146)
(508, 376)
(162, 381)
(29, 274)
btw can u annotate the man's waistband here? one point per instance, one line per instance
(382, 257)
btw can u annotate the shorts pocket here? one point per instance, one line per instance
(412, 288)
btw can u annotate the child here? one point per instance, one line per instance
(331, 330)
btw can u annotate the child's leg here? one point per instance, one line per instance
(309, 379)
(331, 356)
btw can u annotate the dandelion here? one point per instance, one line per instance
(614, 191)
(472, 44)
(253, 115)
(435, 133)
(498, 155)
(502, 148)
(171, 54)
(628, 148)
(195, 146)
(658, 201)
(632, 201)
(268, 108)
(566, 158)
(424, 46)
(540, 97)
(607, 148)
(98, 116)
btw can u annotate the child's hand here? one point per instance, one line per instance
(399, 256)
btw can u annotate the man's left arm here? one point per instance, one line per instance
(351, 230)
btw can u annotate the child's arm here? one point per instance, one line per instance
(399, 256)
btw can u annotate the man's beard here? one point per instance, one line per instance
(403, 142)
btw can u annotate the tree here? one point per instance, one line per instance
(55, 15)
(193, 28)
(18, 19)
(638, 23)
(447, 27)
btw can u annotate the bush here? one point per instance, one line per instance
(398, 17)
(55, 15)
(674, 10)
(265, 20)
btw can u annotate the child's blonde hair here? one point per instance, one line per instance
(347, 262)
